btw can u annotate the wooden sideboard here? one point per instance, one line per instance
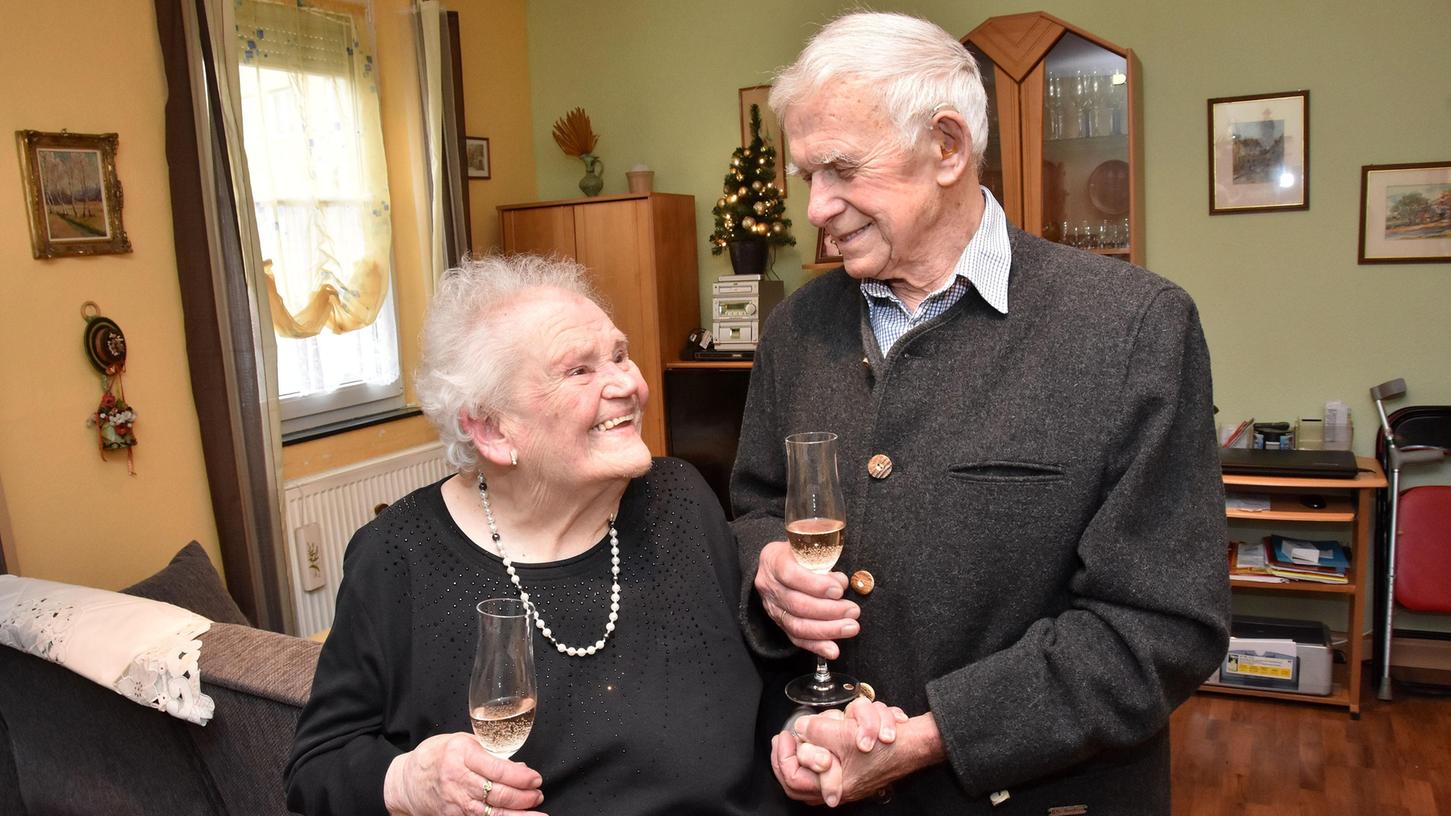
(640, 251)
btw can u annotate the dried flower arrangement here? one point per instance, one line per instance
(574, 135)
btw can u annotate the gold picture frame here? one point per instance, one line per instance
(770, 128)
(72, 194)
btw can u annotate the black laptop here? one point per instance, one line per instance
(1315, 464)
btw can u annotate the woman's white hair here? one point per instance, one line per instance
(918, 67)
(469, 356)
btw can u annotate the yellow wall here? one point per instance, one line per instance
(497, 106)
(1292, 320)
(74, 517)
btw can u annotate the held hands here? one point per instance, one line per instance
(837, 757)
(449, 774)
(806, 605)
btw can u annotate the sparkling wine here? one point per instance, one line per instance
(503, 725)
(816, 542)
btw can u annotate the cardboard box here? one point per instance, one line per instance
(1276, 654)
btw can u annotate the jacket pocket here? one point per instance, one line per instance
(1007, 472)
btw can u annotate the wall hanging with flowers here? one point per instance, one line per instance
(114, 419)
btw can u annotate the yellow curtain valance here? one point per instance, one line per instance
(353, 307)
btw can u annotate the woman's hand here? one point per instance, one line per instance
(451, 775)
(801, 772)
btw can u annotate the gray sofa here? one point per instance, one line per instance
(69, 746)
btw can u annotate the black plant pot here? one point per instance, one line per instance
(748, 257)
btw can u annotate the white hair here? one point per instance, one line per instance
(469, 356)
(919, 69)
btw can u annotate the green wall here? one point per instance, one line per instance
(1292, 320)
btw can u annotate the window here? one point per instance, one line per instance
(318, 180)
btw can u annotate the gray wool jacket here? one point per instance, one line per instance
(1048, 550)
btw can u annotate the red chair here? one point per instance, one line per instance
(1423, 550)
(1413, 559)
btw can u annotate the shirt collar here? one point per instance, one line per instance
(984, 262)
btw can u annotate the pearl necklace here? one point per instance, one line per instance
(572, 651)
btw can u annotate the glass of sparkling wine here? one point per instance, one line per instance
(815, 523)
(502, 694)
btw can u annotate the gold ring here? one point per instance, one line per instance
(488, 788)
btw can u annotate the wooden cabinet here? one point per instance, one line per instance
(1348, 506)
(1064, 147)
(640, 251)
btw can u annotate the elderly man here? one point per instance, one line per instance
(1035, 519)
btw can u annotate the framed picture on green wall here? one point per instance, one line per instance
(1259, 153)
(1405, 213)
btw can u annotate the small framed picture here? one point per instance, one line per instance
(1405, 213)
(1259, 153)
(770, 128)
(72, 194)
(826, 251)
(476, 149)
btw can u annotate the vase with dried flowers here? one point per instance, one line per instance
(576, 137)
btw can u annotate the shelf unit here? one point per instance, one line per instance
(1347, 502)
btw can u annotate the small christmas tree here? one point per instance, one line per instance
(750, 206)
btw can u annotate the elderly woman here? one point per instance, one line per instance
(648, 710)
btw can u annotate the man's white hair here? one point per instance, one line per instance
(919, 69)
(470, 357)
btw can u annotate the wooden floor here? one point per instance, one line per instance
(1239, 756)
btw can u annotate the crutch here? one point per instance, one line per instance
(1396, 456)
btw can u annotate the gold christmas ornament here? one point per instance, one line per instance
(756, 185)
(732, 198)
(759, 207)
(748, 222)
(741, 191)
(776, 227)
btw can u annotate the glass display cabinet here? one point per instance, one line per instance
(1064, 152)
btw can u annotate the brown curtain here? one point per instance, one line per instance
(219, 323)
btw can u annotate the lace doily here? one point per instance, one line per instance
(144, 650)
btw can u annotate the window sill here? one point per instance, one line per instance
(345, 425)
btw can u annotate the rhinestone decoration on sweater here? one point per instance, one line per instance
(572, 651)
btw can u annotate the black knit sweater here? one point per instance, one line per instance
(662, 721)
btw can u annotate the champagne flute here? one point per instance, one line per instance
(502, 694)
(815, 522)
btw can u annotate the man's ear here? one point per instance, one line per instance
(951, 146)
(489, 439)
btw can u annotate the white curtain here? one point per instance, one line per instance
(430, 57)
(309, 92)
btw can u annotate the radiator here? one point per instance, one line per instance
(323, 511)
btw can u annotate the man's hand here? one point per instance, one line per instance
(875, 723)
(829, 746)
(806, 605)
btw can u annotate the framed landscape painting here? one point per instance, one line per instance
(1405, 213)
(71, 193)
(1259, 153)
